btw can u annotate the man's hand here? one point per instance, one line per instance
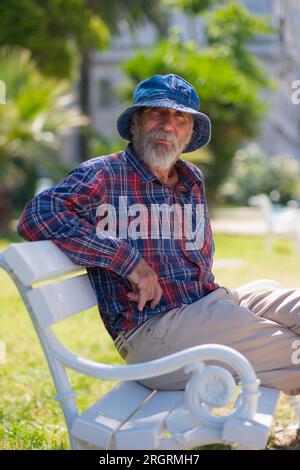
(145, 285)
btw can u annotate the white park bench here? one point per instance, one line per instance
(131, 416)
(285, 221)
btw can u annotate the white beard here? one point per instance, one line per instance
(158, 155)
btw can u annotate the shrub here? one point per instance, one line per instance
(252, 172)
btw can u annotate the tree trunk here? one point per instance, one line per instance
(84, 102)
(5, 210)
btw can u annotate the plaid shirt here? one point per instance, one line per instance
(68, 214)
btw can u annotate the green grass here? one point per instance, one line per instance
(30, 418)
(280, 264)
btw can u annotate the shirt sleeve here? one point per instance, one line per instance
(65, 214)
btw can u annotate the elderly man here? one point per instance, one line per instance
(138, 221)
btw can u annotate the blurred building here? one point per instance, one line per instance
(277, 53)
(285, 115)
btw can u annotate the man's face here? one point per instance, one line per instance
(160, 135)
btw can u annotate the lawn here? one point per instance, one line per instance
(31, 418)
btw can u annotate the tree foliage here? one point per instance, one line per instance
(57, 32)
(37, 109)
(192, 7)
(253, 172)
(225, 75)
(37, 113)
(52, 31)
(230, 29)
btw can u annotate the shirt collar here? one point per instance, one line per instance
(188, 176)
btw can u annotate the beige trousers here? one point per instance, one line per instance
(263, 326)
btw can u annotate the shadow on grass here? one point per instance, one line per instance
(213, 447)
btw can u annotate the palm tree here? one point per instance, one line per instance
(61, 33)
(37, 113)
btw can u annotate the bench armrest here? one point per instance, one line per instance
(203, 378)
(153, 368)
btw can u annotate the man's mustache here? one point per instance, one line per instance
(162, 135)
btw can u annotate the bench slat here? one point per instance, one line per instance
(57, 301)
(98, 423)
(38, 261)
(181, 419)
(144, 428)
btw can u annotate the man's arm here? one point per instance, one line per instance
(63, 214)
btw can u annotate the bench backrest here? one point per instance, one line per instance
(58, 299)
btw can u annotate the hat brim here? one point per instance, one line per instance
(202, 126)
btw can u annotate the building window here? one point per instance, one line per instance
(107, 93)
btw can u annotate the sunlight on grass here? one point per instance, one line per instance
(280, 264)
(30, 417)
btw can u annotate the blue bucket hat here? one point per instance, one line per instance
(168, 91)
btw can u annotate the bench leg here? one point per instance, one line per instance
(294, 401)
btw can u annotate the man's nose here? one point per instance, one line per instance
(166, 122)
